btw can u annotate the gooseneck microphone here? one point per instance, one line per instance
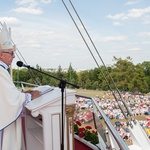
(21, 64)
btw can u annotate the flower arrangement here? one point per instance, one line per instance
(86, 132)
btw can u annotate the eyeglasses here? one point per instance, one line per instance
(11, 53)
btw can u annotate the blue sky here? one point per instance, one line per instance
(45, 34)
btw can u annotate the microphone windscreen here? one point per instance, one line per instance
(19, 63)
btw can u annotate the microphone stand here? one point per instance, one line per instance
(62, 86)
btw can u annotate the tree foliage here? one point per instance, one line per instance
(123, 74)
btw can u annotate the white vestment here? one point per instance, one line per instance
(11, 105)
(0, 140)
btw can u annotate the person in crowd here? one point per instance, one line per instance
(12, 101)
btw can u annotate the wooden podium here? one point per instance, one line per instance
(43, 121)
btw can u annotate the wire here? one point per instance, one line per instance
(99, 58)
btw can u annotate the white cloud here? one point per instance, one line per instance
(31, 3)
(30, 6)
(144, 34)
(114, 38)
(146, 19)
(28, 10)
(131, 3)
(132, 13)
(10, 21)
(117, 16)
(46, 1)
(146, 43)
(56, 54)
(134, 49)
(135, 13)
(117, 24)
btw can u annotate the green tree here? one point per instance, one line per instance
(146, 66)
(72, 76)
(126, 76)
(138, 81)
(83, 77)
(123, 72)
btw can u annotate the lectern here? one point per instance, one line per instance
(43, 121)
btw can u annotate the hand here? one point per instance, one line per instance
(35, 94)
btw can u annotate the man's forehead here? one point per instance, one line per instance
(9, 50)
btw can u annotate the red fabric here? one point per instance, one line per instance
(80, 146)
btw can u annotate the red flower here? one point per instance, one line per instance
(78, 123)
(81, 134)
(88, 127)
(94, 132)
(81, 129)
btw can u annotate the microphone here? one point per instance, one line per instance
(21, 64)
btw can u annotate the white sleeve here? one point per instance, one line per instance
(27, 98)
(0, 140)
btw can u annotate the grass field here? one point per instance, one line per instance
(91, 93)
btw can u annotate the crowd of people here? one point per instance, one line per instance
(138, 105)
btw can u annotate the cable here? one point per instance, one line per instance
(125, 105)
(101, 61)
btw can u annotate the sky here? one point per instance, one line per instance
(45, 34)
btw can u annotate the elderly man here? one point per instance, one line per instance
(12, 100)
